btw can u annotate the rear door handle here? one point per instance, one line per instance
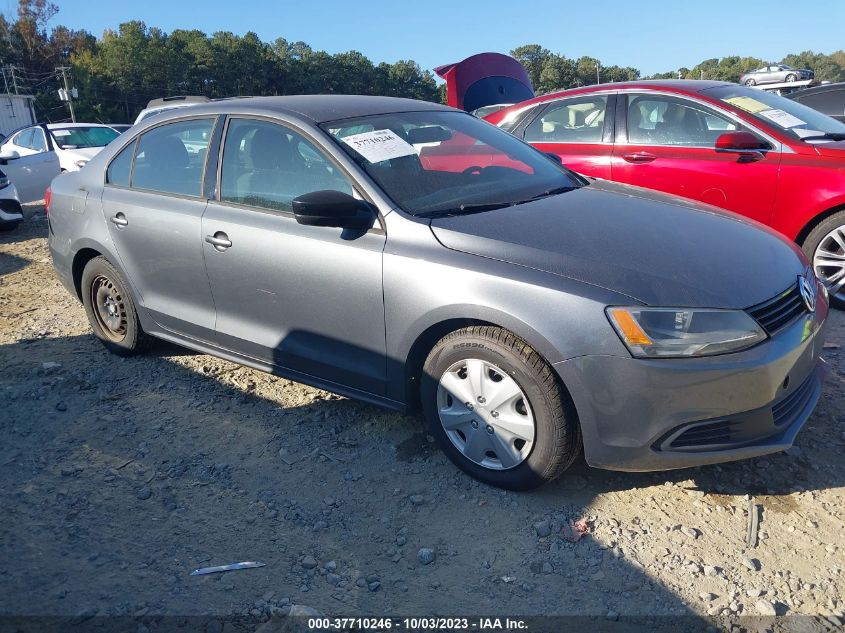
(219, 240)
(119, 220)
(639, 157)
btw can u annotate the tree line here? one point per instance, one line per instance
(117, 74)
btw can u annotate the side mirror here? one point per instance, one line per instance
(748, 146)
(332, 208)
(9, 154)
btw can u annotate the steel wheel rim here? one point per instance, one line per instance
(485, 414)
(829, 262)
(109, 308)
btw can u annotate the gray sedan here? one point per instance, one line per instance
(413, 256)
(775, 74)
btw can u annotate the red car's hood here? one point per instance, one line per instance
(835, 149)
(485, 79)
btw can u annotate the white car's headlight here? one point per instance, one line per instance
(81, 163)
(683, 332)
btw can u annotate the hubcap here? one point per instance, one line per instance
(485, 414)
(109, 309)
(829, 261)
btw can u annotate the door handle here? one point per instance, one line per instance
(639, 157)
(219, 240)
(119, 220)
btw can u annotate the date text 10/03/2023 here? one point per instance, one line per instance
(417, 624)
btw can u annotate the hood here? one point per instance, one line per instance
(485, 79)
(657, 249)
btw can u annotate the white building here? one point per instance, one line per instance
(15, 111)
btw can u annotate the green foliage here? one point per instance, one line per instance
(118, 74)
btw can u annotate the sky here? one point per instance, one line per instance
(651, 35)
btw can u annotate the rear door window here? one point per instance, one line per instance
(170, 158)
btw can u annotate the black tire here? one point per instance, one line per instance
(814, 240)
(750, 82)
(557, 440)
(790, 77)
(127, 338)
(5, 227)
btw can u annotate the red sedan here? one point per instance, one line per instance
(742, 149)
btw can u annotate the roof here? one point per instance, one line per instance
(318, 108)
(820, 88)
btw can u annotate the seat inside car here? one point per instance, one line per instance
(162, 165)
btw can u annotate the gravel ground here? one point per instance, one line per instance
(120, 476)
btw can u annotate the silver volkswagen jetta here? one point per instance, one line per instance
(410, 255)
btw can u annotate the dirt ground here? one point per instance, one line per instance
(118, 477)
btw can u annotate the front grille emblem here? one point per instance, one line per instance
(808, 293)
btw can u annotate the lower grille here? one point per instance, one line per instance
(707, 434)
(776, 313)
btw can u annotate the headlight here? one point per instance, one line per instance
(681, 332)
(4, 182)
(81, 163)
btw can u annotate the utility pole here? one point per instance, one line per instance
(63, 70)
(14, 79)
(598, 73)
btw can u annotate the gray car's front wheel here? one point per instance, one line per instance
(110, 309)
(825, 248)
(497, 409)
(750, 82)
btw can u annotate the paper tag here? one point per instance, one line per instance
(379, 145)
(749, 104)
(783, 119)
(61, 132)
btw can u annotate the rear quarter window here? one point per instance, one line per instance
(118, 171)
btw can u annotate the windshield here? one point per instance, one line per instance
(440, 163)
(784, 114)
(71, 137)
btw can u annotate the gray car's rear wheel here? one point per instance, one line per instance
(497, 409)
(110, 309)
(825, 248)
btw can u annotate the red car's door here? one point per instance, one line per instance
(579, 130)
(668, 143)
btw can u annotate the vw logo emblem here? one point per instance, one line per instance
(808, 293)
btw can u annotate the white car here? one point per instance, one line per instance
(73, 143)
(10, 205)
(28, 174)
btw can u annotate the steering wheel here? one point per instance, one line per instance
(474, 169)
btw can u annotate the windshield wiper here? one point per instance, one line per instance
(832, 136)
(552, 192)
(468, 208)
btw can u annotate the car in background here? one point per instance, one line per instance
(828, 99)
(743, 149)
(775, 74)
(166, 104)
(120, 128)
(410, 255)
(29, 174)
(11, 213)
(73, 143)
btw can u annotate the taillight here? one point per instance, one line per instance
(47, 195)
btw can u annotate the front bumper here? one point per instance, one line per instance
(10, 211)
(643, 415)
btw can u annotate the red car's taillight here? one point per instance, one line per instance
(47, 195)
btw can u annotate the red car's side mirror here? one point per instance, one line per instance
(738, 141)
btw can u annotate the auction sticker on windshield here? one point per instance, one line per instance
(783, 119)
(379, 145)
(749, 104)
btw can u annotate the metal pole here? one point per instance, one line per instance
(598, 75)
(67, 91)
(14, 79)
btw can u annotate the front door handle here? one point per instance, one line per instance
(119, 220)
(639, 157)
(219, 240)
